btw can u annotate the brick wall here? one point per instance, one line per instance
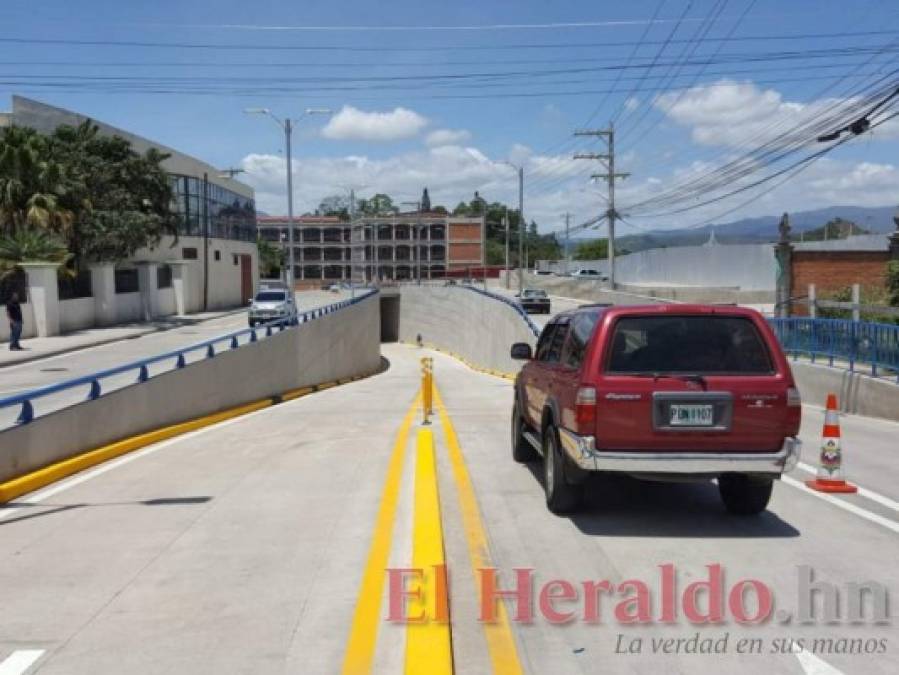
(835, 270)
(459, 231)
(465, 253)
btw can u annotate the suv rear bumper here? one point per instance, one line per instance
(582, 451)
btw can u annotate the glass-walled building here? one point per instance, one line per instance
(197, 201)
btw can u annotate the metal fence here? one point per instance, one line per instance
(874, 345)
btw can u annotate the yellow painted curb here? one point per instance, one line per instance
(35, 480)
(296, 393)
(428, 643)
(475, 367)
(50, 474)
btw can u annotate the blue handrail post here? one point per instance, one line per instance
(814, 339)
(253, 337)
(853, 346)
(234, 344)
(180, 362)
(94, 392)
(210, 351)
(143, 374)
(26, 414)
(268, 330)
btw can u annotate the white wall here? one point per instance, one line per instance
(76, 314)
(749, 267)
(166, 301)
(128, 307)
(474, 326)
(224, 275)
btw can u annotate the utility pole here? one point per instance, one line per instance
(610, 176)
(506, 227)
(567, 227)
(521, 229)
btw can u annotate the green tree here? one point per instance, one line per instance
(32, 185)
(379, 204)
(334, 205)
(121, 200)
(29, 245)
(597, 249)
(271, 258)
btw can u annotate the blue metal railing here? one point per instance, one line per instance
(176, 358)
(857, 342)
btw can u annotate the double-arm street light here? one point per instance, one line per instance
(521, 228)
(287, 126)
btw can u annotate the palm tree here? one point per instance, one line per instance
(31, 184)
(28, 245)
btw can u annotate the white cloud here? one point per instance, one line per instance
(359, 125)
(447, 137)
(632, 104)
(729, 113)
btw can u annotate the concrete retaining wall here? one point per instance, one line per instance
(749, 267)
(474, 326)
(857, 393)
(335, 346)
(76, 314)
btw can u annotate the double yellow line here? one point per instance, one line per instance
(428, 644)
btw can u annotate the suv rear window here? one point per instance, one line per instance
(688, 344)
(270, 296)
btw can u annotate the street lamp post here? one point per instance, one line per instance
(287, 126)
(521, 227)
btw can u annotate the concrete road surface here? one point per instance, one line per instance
(259, 546)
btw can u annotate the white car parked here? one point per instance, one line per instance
(271, 304)
(590, 274)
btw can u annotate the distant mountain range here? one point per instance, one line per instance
(761, 229)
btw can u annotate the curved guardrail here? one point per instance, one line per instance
(535, 329)
(141, 367)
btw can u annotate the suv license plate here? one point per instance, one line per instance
(681, 415)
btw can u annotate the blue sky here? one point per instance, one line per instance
(439, 93)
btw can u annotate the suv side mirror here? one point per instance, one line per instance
(521, 351)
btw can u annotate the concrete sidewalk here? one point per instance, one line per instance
(41, 348)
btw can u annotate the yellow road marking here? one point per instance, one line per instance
(428, 643)
(360, 650)
(35, 480)
(500, 641)
(296, 393)
(50, 474)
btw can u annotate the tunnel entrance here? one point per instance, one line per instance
(390, 317)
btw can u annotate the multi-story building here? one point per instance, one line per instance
(387, 247)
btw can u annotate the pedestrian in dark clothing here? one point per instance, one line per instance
(14, 313)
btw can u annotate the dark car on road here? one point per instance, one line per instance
(534, 300)
(660, 392)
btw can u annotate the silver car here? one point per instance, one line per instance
(271, 304)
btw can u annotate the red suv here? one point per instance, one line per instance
(659, 391)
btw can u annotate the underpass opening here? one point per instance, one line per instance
(390, 317)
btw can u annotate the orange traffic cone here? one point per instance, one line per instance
(830, 467)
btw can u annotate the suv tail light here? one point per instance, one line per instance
(585, 406)
(794, 400)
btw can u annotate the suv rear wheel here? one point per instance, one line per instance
(745, 495)
(522, 451)
(561, 496)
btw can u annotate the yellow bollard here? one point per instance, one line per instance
(427, 388)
